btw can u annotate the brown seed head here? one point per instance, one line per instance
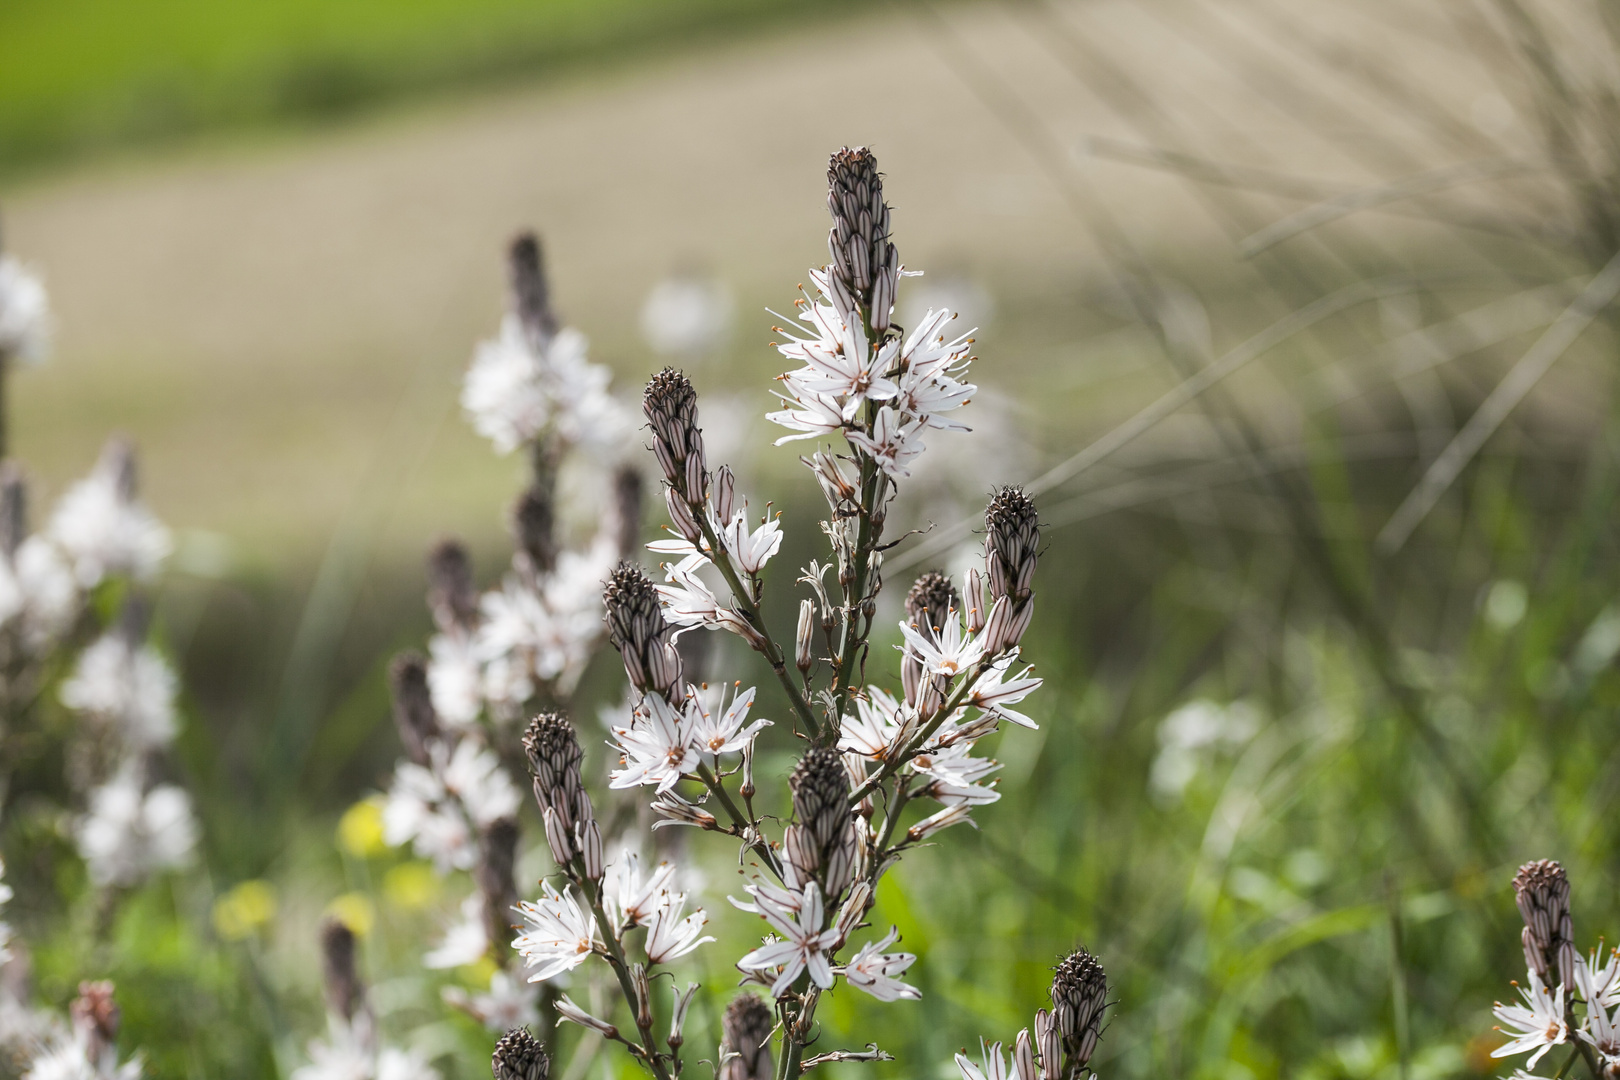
(670, 404)
(747, 1028)
(637, 628)
(452, 596)
(1541, 889)
(344, 991)
(519, 1056)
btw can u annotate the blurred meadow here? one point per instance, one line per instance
(1296, 319)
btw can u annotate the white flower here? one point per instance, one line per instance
(46, 587)
(750, 551)
(103, 530)
(514, 391)
(949, 650)
(956, 775)
(686, 315)
(128, 835)
(630, 901)
(808, 413)
(993, 691)
(1600, 982)
(805, 944)
(395, 1064)
(132, 689)
(669, 936)
(66, 1059)
(876, 972)
(560, 936)
(893, 443)
(475, 777)
(1537, 1025)
(996, 1066)
(657, 747)
(944, 819)
(715, 731)
(880, 726)
(25, 313)
(465, 942)
(510, 1003)
(438, 807)
(838, 361)
(455, 680)
(345, 1054)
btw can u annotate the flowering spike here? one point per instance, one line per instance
(452, 596)
(638, 629)
(1011, 547)
(825, 839)
(531, 295)
(747, 1028)
(670, 404)
(554, 756)
(1079, 996)
(418, 724)
(345, 994)
(865, 265)
(1541, 889)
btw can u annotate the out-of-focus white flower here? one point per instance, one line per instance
(687, 315)
(559, 937)
(45, 585)
(877, 972)
(1190, 733)
(669, 936)
(438, 807)
(1599, 978)
(396, 1064)
(657, 747)
(345, 1054)
(455, 680)
(1536, 1026)
(804, 945)
(993, 691)
(129, 834)
(466, 940)
(103, 529)
(515, 391)
(129, 688)
(510, 1003)
(66, 1059)
(25, 313)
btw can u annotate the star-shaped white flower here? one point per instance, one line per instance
(893, 443)
(876, 972)
(560, 935)
(993, 691)
(949, 650)
(717, 731)
(657, 747)
(750, 551)
(669, 936)
(804, 945)
(631, 900)
(1536, 1026)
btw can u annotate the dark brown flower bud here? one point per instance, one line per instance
(531, 296)
(670, 404)
(13, 509)
(626, 510)
(533, 528)
(1079, 996)
(824, 843)
(414, 716)
(345, 994)
(637, 628)
(496, 881)
(864, 261)
(747, 1028)
(96, 1019)
(1542, 891)
(554, 758)
(1011, 547)
(519, 1056)
(931, 601)
(452, 596)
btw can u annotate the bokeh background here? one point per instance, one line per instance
(1285, 770)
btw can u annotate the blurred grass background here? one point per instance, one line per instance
(1283, 777)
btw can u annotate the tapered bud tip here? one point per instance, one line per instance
(13, 509)
(747, 1026)
(632, 603)
(343, 989)
(519, 1056)
(413, 704)
(1542, 876)
(931, 600)
(1079, 996)
(1012, 543)
(820, 785)
(531, 295)
(670, 397)
(853, 180)
(552, 744)
(451, 592)
(533, 527)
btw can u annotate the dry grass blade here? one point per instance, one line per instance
(1179, 395)
(1507, 395)
(1365, 199)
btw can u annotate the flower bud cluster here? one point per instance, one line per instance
(864, 262)
(1011, 548)
(1541, 889)
(746, 1048)
(638, 629)
(554, 756)
(670, 404)
(824, 845)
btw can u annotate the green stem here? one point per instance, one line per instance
(615, 959)
(768, 648)
(914, 747)
(855, 597)
(743, 825)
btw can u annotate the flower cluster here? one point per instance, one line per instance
(1566, 999)
(1065, 1036)
(25, 313)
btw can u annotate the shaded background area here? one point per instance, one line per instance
(273, 235)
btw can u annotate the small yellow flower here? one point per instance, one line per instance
(410, 885)
(241, 912)
(354, 910)
(360, 830)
